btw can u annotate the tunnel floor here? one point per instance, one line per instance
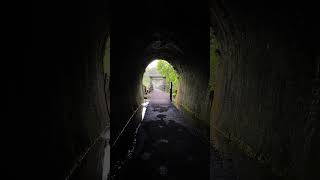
(165, 146)
(168, 146)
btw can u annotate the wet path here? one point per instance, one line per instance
(166, 148)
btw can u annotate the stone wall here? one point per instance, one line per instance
(193, 93)
(266, 63)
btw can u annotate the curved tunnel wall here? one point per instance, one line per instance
(266, 62)
(69, 97)
(264, 95)
(265, 75)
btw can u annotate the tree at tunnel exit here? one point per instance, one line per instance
(165, 69)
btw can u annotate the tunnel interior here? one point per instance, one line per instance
(160, 37)
(248, 70)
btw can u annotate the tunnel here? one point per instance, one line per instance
(249, 80)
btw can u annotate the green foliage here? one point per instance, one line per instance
(165, 69)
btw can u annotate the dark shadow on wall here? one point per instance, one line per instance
(65, 88)
(266, 73)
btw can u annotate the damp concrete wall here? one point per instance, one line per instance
(193, 93)
(266, 73)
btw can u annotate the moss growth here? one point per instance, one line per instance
(167, 70)
(213, 60)
(106, 58)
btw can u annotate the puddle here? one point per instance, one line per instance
(159, 108)
(144, 108)
(161, 116)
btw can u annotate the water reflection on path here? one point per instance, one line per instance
(144, 108)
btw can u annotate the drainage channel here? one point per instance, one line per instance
(124, 146)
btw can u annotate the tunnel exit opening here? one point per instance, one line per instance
(160, 76)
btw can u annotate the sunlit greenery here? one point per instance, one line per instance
(165, 69)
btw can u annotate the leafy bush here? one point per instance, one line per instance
(165, 69)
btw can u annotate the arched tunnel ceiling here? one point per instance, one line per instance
(181, 26)
(177, 31)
